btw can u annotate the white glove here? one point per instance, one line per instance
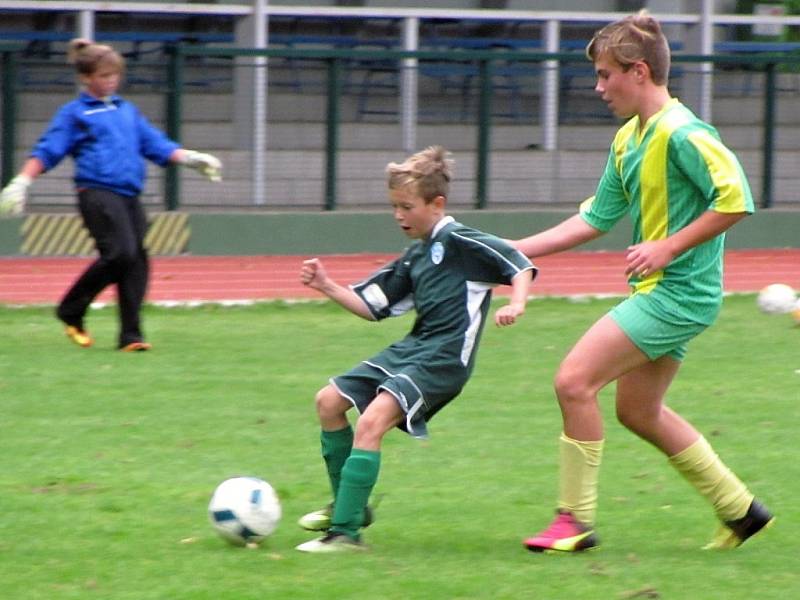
(208, 165)
(13, 196)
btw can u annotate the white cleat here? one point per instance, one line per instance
(332, 543)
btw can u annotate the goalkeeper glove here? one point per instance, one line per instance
(208, 165)
(13, 196)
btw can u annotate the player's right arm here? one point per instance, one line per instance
(314, 275)
(571, 232)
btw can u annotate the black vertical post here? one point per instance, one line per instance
(9, 117)
(769, 138)
(332, 131)
(484, 127)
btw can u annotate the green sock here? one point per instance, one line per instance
(336, 446)
(359, 475)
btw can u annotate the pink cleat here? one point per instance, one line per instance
(565, 534)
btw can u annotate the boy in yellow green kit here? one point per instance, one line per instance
(682, 189)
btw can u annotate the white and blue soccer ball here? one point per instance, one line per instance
(244, 510)
(776, 298)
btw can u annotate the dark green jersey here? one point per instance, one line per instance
(448, 280)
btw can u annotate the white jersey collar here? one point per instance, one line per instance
(442, 222)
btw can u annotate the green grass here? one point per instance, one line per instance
(109, 460)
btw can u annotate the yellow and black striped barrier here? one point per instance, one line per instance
(168, 233)
(64, 235)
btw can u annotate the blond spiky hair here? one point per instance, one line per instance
(428, 171)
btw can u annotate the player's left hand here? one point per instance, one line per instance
(508, 314)
(207, 164)
(648, 257)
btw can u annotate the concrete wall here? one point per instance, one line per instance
(348, 233)
(352, 233)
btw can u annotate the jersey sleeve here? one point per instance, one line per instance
(154, 144)
(609, 203)
(714, 170)
(487, 258)
(388, 292)
(57, 140)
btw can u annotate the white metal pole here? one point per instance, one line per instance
(409, 85)
(260, 24)
(86, 24)
(706, 68)
(549, 103)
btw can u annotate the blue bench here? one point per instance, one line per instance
(134, 37)
(508, 76)
(744, 47)
(749, 47)
(334, 41)
(141, 43)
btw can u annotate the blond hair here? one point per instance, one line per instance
(88, 56)
(428, 172)
(633, 39)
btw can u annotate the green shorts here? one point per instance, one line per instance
(418, 392)
(653, 329)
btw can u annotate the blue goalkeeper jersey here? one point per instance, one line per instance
(108, 140)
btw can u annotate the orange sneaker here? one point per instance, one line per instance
(136, 347)
(79, 336)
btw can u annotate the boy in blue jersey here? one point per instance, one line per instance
(447, 277)
(682, 189)
(108, 139)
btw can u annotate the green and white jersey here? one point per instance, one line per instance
(448, 280)
(665, 176)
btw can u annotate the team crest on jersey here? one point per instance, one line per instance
(437, 253)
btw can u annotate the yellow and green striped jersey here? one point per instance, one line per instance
(665, 175)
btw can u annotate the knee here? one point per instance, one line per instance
(369, 430)
(329, 403)
(124, 256)
(367, 425)
(627, 419)
(636, 419)
(125, 259)
(571, 388)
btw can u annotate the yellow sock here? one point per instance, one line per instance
(580, 467)
(701, 466)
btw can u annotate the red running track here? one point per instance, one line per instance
(232, 278)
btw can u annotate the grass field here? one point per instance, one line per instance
(109, 460)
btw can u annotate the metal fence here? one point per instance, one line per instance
(333, 118)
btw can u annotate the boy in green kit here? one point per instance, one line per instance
(447, 277)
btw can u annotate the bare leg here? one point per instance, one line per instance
(603, 354)
(640, 407)
(332, 409)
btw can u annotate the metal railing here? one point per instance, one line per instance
(335, 62)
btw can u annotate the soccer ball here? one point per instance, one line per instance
(776, 298)
(244, 510)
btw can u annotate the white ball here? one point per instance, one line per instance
(244, 510)
(776, 298)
